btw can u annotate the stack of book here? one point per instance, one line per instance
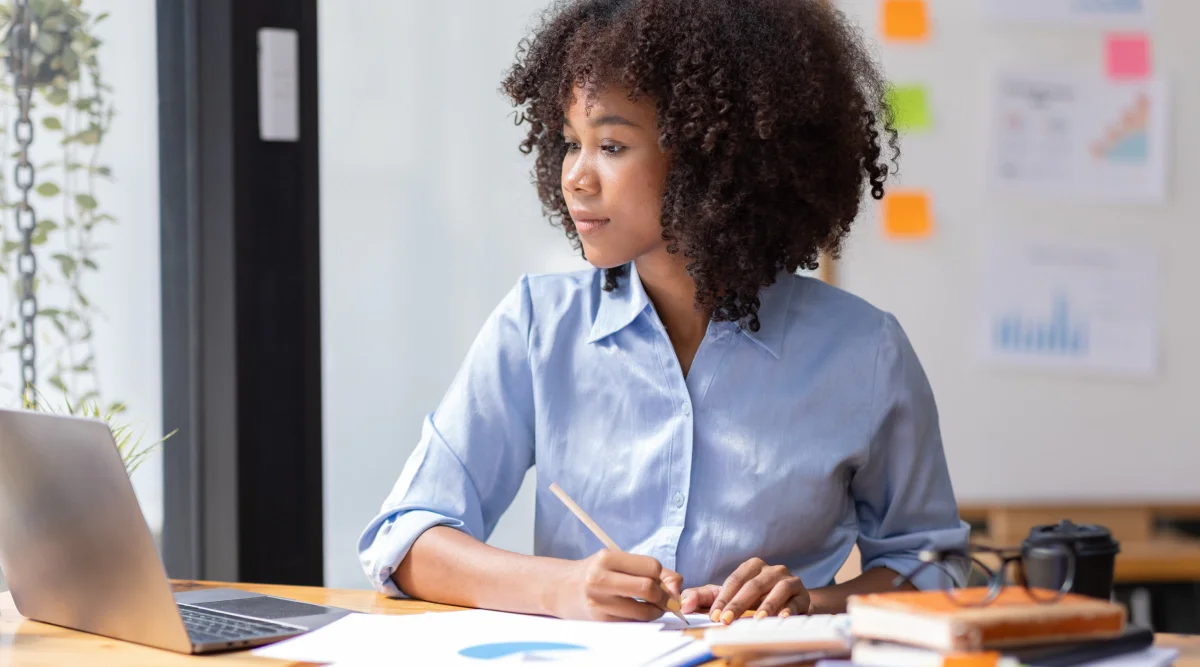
(928, 629)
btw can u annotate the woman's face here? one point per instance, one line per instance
(613, 176)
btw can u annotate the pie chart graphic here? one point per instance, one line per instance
(501, 650)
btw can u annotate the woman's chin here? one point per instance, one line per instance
(604, 260)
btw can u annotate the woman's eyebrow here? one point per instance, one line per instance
(606, 119)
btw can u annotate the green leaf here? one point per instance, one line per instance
(86, 304)
(101, 171)
(82, 368)
(52, 123)
(66, 264)
(46, 225)
(89, 396)
(10, 246)
(89, 137)
(49, 312)
(86, 201)
(100, 17)
(38, 238)
(48, 189)
(57, 382)
(59, 325)
(57, 97)
(85, 103)
(90, 264)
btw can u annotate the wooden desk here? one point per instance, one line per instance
(26, 643)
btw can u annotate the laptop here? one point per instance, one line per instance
(77, 552)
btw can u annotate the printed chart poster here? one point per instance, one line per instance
(1096, 13)
(1087, 308)
(1081, 137)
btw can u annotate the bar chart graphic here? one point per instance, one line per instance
(1085, 308)
(1062, 333)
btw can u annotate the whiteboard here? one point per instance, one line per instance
(1025, 434)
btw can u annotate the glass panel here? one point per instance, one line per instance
(95, 150)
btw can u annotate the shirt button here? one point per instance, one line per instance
(678, 499)
(687, 408)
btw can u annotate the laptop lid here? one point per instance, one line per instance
(74, 546)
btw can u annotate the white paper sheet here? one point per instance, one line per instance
(1080, 136)
(1097, 13)
(478, 638)
(670, 621)
(1087, 308)
(1154, 656)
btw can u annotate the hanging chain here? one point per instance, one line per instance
(22, 57)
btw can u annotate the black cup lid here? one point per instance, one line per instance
(1085, 538)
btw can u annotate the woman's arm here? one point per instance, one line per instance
(446, 565)
(832, 599)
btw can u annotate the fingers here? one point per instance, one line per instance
(605, 583)
(744, 573)
(673, 581)
(621, 608)
(783, 599)
(698, 598)
(639, 566)
(753, 591)
(797, 606)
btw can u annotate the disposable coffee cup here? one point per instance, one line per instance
(1094, 553)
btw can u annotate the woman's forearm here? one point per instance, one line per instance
(448, 566)
(832, 599)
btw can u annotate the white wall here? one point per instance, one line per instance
(1019, 434)
(428, 218)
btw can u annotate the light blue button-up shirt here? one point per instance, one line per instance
(790, 443)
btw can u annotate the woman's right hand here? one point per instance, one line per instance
(611, 586)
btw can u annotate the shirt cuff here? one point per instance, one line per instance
(386, 542)
(931, 577)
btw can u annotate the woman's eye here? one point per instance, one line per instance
(612, 149)
(571, 146)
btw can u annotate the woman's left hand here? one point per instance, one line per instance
(771, 589)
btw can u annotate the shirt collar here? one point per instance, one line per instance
(621, 306)
(774, 302)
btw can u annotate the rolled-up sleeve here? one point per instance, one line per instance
(474, 451)
(902, 491)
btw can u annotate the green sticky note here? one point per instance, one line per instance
(910, 105)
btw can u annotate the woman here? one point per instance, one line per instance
(734, 427)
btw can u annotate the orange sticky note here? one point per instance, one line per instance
(907, 215)
(905, 20)
(1128, 56)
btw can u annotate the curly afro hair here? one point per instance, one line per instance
(772, 112)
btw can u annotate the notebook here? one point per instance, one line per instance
(930, 619)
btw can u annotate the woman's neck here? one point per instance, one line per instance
(673, 293)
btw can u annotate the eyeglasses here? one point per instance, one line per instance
(1046, 572)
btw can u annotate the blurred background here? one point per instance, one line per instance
(271, 229)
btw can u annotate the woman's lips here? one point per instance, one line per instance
(590, 225)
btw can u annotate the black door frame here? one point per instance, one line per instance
(240, 244)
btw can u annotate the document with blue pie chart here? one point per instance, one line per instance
(479, 638)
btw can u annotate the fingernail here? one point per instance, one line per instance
(715, 614)
(784, 613)
(727, 617)
(762, 613)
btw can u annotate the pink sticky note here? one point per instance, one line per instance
(1128, 56)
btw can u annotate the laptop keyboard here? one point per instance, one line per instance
(205, 626)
